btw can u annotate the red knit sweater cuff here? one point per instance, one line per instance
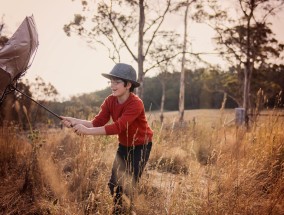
(111, 129)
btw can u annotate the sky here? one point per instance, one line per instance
(65, 62)
(68, 63)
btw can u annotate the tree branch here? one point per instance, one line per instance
(221, 91)
(122, 39)
(175, 55)
(159, 25)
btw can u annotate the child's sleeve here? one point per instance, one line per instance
(103, 116)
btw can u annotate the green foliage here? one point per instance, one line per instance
(84, 106)
(196, 94)
(41, 90)
(12, 109)
(249, 43)
(204, 88)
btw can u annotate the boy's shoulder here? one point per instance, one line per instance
(110, 98)
(133, 99)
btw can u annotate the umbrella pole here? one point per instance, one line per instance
(54, 114)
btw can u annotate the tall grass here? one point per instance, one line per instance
(203, 167)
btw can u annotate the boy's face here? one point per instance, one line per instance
(118, 87)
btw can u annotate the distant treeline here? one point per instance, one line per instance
(204, 88)
(197, 95)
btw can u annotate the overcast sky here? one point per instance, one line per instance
(67, 62)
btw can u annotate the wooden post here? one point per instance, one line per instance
(240, 116)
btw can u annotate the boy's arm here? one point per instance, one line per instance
(81, 129)
(71, 122)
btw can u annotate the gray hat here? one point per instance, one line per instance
(123, 71)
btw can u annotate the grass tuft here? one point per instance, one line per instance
(202, 167)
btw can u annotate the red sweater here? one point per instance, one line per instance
(129, 120)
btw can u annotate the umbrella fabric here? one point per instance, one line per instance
(17, 53)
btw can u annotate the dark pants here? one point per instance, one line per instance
(127, 168)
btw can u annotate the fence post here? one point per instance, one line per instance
(240, 116)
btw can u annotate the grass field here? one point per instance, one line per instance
(207, 166)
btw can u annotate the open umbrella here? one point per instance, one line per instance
(16, 57)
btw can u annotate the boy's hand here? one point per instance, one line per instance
(80, 129)
(67, 121)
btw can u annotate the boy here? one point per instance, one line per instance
(128, 122)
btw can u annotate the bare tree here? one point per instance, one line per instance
(167, 50)
(247, 42)
(186, 5)
(117, 23)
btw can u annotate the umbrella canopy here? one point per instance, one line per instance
(17, 54)
(16, 57)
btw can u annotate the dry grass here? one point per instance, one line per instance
(202, 167)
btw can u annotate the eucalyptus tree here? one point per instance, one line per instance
(43, 92)
(192, 10)
(122, 26)
(164, 58)
(185, 4)
(246, 40)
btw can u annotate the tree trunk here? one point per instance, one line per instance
(181, 90)
(245, 90)
(248, 69)
(140, 62)
(163, 100)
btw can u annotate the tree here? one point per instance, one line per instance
(184, 48)
(164, 78)
(44, 93)
(248, 43)
(166, 51)
(16, 108)
(224, 82)
(193, 16)
(117, 23)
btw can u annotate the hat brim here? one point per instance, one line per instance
(108, 76)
